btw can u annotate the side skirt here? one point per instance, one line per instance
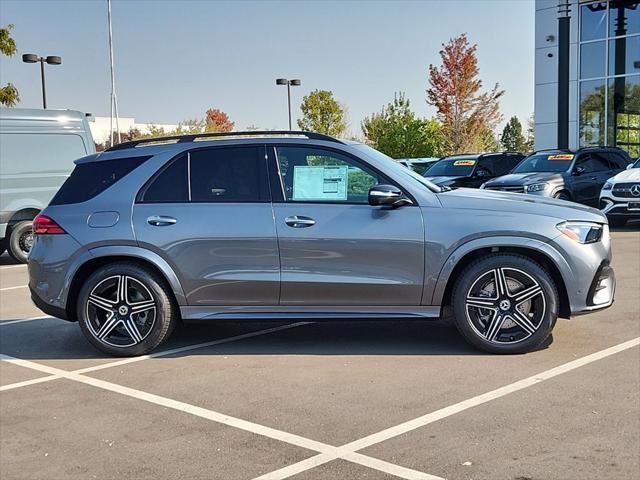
(308, 312)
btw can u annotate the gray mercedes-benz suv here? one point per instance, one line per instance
(265, 225)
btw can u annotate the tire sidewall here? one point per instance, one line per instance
(13, 245)
(473, 272)
(165, 311)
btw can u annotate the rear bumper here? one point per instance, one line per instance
(47, 307)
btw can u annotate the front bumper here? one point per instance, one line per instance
(602, 290)
(619, 207)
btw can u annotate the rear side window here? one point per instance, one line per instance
(171, 185)
(228, 175)
(89, 179)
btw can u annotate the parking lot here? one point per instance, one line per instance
(320, 400)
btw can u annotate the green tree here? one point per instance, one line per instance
(9, 95)
(322, 113)
(513, 139)
(397, 132)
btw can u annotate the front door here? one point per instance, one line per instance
(209, 215)
(336, 249)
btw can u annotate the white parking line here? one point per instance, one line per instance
(282, 436)
(13, 288)
(11, 322)
(448, 411)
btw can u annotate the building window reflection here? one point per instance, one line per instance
(609, 74)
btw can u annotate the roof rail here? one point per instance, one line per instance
(600, 146)
(192, 137)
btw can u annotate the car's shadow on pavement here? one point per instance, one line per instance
(52, 339)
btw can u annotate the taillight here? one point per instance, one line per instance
(43, 225)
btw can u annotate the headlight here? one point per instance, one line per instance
(607, 186)
(581, 232)
(536, 187)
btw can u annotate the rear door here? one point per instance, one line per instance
(336, 249)
(208, 213)
(593, 169)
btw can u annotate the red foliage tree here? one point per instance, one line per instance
(466, 113)
(218, 121)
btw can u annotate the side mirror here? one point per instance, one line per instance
(387, 195)
(579, 170)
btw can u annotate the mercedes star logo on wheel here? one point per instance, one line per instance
(635, 190)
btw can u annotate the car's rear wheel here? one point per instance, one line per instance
(20, 241)
(616, 222)
(126, 310)
(505, 303)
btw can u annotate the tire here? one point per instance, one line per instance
(108, 322)
(505, 323)
(617, 222)
(562, 196)
(20, 241)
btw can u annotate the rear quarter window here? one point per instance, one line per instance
(90, 179)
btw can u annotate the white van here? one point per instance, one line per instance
(37, 150)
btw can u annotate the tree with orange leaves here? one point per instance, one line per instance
(466, 113)
(217, 121)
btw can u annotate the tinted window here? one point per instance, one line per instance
(171, 185)
(453, 167)
(89, 179)
(317, 175)
(594, 162)
(545, 162)
(509, 163)
(489, 165)
(228, 175)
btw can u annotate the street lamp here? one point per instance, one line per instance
(289, 84)
(51, 60)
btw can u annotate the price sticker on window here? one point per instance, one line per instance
(561, 157)
(464, 163)
(320, 183)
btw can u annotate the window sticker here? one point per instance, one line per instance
(464, 163)
(320, 183)
(561, 157)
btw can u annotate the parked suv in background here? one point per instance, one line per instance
(37, 150)
(264, 225)
(620, 196)
(471, 170)
(568, 175)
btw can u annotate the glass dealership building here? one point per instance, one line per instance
(603, 74)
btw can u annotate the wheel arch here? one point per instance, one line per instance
(23, 214)
(106, 255)
(539, 252)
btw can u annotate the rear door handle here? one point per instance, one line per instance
(160, 220)
(298, 221)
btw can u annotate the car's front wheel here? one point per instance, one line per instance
(126, 310)
(505, 303)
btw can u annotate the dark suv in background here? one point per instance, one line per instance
(471, 170)
(569, 175)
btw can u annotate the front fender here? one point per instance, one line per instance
(499, 241)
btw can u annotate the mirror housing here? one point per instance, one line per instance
(387, 195)
(579, 170)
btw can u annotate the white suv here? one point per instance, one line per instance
(620, 196)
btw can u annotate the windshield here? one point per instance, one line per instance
(452, 167)
(545, 162)
(637, 164)
(400, 170)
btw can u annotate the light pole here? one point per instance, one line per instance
(289, 84)
(51, 60)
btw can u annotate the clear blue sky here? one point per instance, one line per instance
(175, 59)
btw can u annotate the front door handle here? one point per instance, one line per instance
(298, 221)
(161, 220)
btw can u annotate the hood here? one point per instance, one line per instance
(519, 203)
(518, 179)
(444, 180)
(631, 175)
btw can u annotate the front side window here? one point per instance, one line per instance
(310, 174)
